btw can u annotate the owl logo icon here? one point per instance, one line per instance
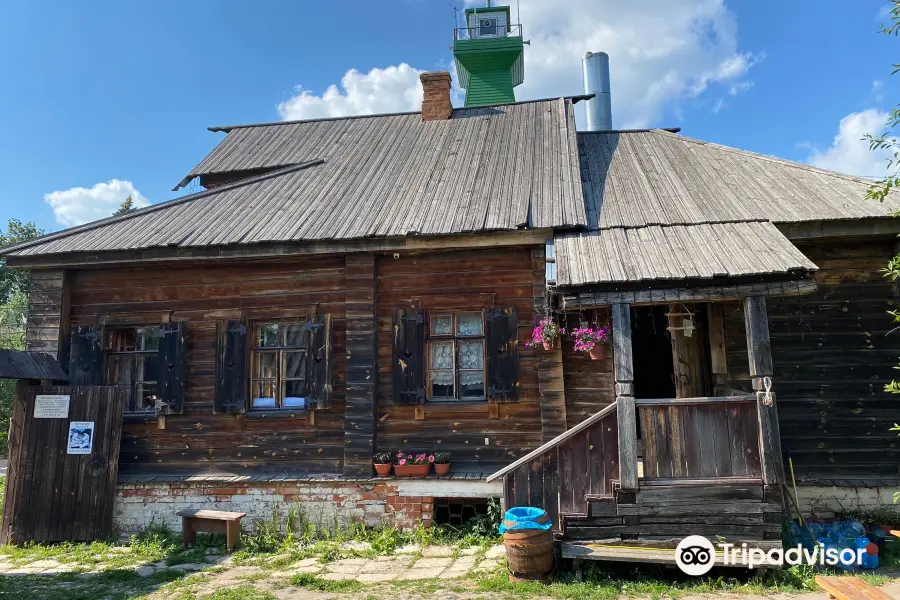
(695, 555)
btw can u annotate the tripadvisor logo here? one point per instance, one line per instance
(695, 555)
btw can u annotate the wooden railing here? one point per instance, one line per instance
(557, 476)
(699, 438)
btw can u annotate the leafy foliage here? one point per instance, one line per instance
(126, 207)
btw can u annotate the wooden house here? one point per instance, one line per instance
(351, 285)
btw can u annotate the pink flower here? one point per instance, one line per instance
(431, 458)
(402, 461)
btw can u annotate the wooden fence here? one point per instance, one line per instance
(699, 438)
(53, 495)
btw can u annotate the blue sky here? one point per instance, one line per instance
(102, 99)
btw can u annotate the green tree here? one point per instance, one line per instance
(126, 207)
(14, 287)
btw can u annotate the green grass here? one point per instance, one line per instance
(312, 582)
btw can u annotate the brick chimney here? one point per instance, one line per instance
(436, 104)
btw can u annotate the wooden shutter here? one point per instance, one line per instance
(320, 362)
(502, 335)
(231, 367)
(86, 356)
(409, 356)
(172, 364)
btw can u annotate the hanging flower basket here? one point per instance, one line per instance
(598, 352)
(545, 334)
(592, 340)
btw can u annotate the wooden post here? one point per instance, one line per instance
(624, 374)
(362, 366)
(759, 351)
(717, 355)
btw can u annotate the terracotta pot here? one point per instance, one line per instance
(598, 352)
(547, 345)
(441, 470)
(411, 470)
(383, 470)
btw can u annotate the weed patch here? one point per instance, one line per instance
(313, 582)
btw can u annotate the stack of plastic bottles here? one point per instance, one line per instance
(840, 535)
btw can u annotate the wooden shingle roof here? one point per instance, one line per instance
(486, 169)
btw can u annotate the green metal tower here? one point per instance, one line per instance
(490, 56)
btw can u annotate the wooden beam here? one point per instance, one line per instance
(759, 347)
(623, 370)
(717, 354)
(573, 300)
(853, 228)
(759, 353)
(699, 400)
(497, 239)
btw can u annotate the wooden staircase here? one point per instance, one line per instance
(576, 478)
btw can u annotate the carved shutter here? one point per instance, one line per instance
(231, 367)
(172, 363)
(320, 362)
(409, 356)
(86, 356)
(502, 335)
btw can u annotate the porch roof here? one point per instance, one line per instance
(677, 252)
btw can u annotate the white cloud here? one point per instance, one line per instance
(663, 54)
(78, 205)
(849, 152)
(394, 89)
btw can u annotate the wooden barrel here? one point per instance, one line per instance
(529, 554)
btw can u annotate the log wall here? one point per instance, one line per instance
(480, 437)
(832, 357)
(202, 295)
(589, 384)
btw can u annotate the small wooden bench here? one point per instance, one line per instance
(211, 521)
(850, 588)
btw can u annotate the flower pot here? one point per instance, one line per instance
(598, 352)
(547, 345)
(383, 470)
(441, 470)
(411, 470)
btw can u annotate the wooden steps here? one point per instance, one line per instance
(849, 588)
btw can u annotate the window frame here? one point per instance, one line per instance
(281, 351)
(454, 338)
(108, 352)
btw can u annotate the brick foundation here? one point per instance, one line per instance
(325, 503)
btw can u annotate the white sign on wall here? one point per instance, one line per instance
(49, 406)
(81, 437)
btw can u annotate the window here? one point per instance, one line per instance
(132, 361)
(455, 352)
(278, 365)
(488, 27)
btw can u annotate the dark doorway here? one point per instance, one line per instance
(653, 369)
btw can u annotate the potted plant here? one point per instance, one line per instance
(383, 463)
(545, 334)
(441, 462)
(411, 465)
(591, 340)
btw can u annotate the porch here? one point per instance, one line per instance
(643, 473)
